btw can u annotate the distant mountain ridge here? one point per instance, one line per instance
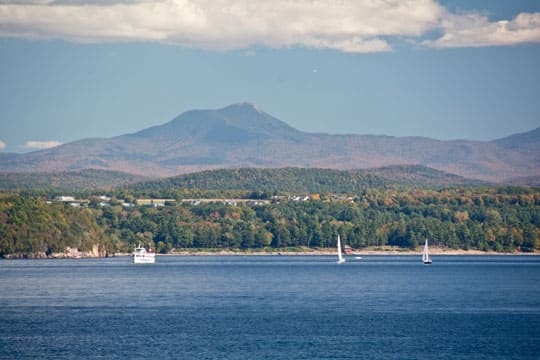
(307, 180)
(419, 175)
(255, 179)
(241, 135)
(283, 179)
(67, 181)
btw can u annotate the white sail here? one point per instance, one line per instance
(425, 254)
(341, 259)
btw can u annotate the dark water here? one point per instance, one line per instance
(271, 308)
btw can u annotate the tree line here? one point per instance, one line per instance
(499, 219)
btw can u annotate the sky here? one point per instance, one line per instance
(74, 69)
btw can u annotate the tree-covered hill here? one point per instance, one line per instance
(298, 180)
(254, 179)
(423, 176)
(292, 180)
(67, 181)
(32, 227)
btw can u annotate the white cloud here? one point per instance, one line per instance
(358, 26)
(474, 30)
(2, 145)
(42, 144)
(346, 25)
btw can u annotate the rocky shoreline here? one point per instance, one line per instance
(69, 253)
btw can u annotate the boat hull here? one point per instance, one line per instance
(143, 256)
(144, 259)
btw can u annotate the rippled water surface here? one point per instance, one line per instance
(272, 307)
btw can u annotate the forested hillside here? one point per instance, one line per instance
(32, 227)
(66, 180)
(285, 180)
(500, 219)
(423, 176)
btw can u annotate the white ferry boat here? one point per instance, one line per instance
(143, 256)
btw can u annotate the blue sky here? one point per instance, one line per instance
(72, 69)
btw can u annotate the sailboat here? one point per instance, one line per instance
(425, 255)
(341, 259)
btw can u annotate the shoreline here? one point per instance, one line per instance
(391, 251)
(301, 251)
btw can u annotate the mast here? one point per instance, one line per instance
(340, 256)
(425, 254)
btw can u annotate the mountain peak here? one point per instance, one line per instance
(244, 109)
(236, 123)
(249, 117)
(246, 105)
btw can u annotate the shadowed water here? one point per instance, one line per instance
(272, 307)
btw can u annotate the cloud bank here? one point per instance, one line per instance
(473, 30)
(2, 145)
(358, 26)
(42, 144)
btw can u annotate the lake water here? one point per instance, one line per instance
(271, 307)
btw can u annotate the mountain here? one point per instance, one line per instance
(523, 141)
(241, 135)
